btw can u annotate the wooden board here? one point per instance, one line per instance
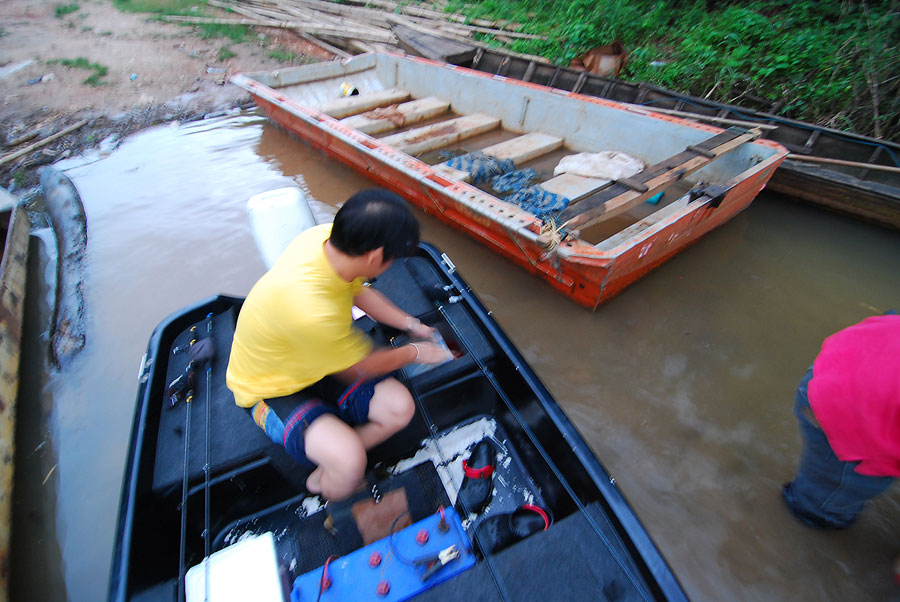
(392, 117)
(574, 187)
(518, 150)
(619, 198)
(352, 105)
(13, 276)
(434, 47)
(439, 135)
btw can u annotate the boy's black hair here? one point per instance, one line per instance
(375, 218)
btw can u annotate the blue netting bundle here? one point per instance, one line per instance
(538, 201)
(482, 167)
(514, 181)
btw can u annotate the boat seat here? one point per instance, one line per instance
(353, 105)
(625, 194)
(574, 187)
(234, 438)
(518, 150)
(383, 119)
(439, 135)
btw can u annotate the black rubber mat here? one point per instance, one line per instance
(233, 438)
(571, 561)
(302, 541)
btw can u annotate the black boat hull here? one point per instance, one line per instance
(608, 548)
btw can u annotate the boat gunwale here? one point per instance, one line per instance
(465, 193)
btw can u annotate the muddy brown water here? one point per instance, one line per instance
(682, 385)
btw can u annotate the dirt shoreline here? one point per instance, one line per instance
(156, 72)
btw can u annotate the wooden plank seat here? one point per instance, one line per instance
(383, 119)
(572, 186)
(518, 150)
(623, 195)
(445, 133)
(352, 105)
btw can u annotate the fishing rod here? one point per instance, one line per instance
(432, 428)
(206, 534)
(200, 351)
(189, 378)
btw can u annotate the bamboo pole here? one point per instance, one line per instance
(428, 30)
(344, 32)
(427, 13)
(324, 19)
(460, 21)
(874, 166)
(325, 45)
(699, 117)
(19, 153)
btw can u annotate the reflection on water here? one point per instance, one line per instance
(683, 385)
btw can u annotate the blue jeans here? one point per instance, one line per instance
(827, 492)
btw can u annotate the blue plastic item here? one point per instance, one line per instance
(655, 198)
(353, 578)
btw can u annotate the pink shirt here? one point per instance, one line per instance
(855, 394)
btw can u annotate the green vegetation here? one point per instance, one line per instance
(226, 53)
(187, 8)
(62, 10)
(831, 62)
(92, 80)
(283, 55)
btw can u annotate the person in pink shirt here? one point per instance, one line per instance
(848, 408)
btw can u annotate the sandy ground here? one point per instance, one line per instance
(156, 72)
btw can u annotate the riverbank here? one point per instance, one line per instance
(831, 63)
(117, 72)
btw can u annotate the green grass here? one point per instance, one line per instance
(167, 7)
(828, 61)
(62, 10)
(282, 55)
(187, 8)
(94, 79)
(226, 53)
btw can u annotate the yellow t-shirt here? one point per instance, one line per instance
(295, 326)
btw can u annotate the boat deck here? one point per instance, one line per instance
(429, 130)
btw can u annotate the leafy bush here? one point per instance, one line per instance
(831, 62)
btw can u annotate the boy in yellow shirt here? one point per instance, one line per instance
(312, 380)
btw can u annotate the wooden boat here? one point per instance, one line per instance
(14, 237)
(846, 172)
(249, 508)
(606, 237)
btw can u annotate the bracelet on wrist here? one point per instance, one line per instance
(417, 351)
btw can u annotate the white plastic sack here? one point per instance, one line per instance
(606, 165)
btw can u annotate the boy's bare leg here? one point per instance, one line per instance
(340, 455)
(390, 409)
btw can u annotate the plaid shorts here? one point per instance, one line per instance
(284, 419)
